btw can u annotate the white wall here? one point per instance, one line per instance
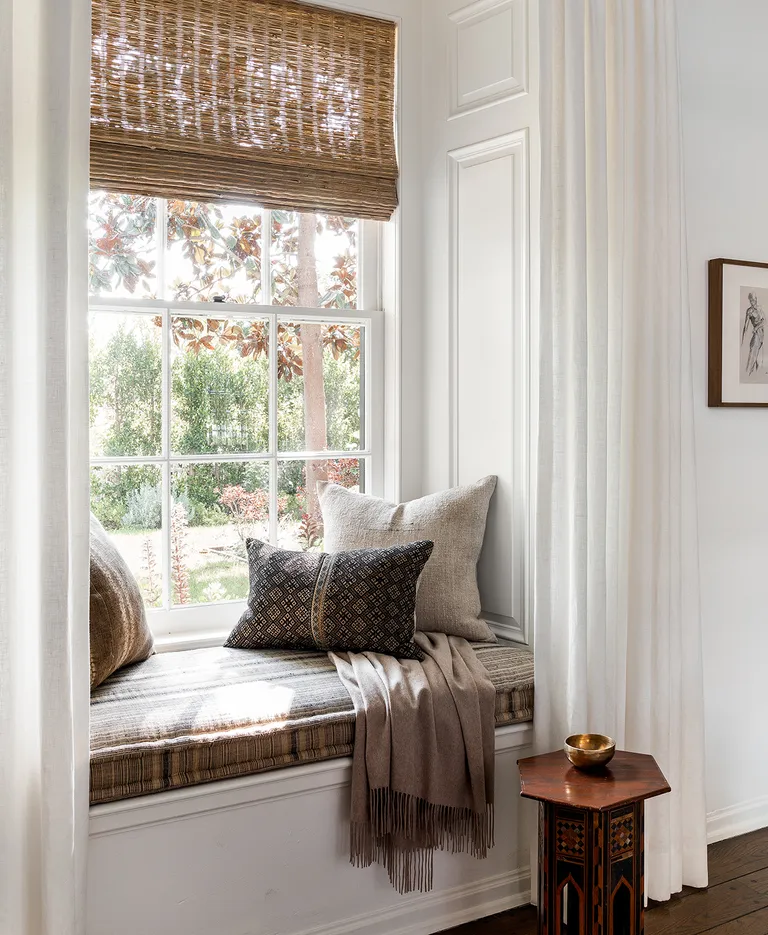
(402, 267)
(724, 73)
(480, 157)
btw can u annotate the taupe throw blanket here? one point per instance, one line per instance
(422, 768)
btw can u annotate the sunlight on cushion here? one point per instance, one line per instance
(248, 703)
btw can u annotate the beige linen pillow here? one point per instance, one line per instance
(118, 621)
(448, 600)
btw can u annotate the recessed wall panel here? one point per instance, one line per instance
(487, 53)
(488, 320)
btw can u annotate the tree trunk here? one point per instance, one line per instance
(312, 353)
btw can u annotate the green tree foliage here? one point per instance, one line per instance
(121, 243)
(223, 257)
(126, 374)
(219, 403)
(145, 508)
(220, 371)
(112, 489)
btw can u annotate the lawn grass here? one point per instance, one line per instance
(233, 580)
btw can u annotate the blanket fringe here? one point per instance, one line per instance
(403, 832)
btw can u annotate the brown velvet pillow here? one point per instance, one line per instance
(119, 630)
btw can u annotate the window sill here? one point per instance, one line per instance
(182, 641)
(193, 626)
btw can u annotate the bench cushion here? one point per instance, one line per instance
(184, 718)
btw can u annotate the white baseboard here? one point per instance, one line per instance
(737, 819)
(423, 915)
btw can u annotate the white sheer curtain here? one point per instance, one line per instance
(44, 679)
(617, 635)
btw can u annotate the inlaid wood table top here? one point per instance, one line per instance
(627, 778)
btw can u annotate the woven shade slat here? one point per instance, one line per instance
(275, 102)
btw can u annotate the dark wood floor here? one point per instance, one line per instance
(736, 902)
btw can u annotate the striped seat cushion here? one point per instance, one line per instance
(183, 718)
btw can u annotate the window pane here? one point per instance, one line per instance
(216, 506)
(128, 502)
(122, 247)
(213, 250)
(319, 394)
(219, 386)
(125, 385)
(299, 520)
(325, 247)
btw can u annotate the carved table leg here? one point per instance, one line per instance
(591, 871)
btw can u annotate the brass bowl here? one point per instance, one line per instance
(589, 751)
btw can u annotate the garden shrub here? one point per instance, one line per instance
(145, 508)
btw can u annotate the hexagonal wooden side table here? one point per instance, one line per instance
(591, 841)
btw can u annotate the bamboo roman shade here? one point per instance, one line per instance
(285, 104)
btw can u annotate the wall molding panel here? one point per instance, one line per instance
(480, 159)
(489, 244)
(488, 61)
(269, 854)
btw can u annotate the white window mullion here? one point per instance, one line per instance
(324, 455)
(167, 349)
(231, 310)
(167, 500)
(166, 534)
(161, 231)
(273, 473)
(266, 256)
(266, 298)
(166, 452)
(128, 460)
(372, 440)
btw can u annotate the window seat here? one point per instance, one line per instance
(183, 718)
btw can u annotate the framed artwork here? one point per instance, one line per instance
(738, 355)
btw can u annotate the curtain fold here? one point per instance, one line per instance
(44, 103)
(617, 623)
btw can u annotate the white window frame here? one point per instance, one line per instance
(197, 625)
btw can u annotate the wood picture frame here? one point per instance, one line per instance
(738, 357)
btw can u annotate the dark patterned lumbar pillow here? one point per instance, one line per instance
(359, 600)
